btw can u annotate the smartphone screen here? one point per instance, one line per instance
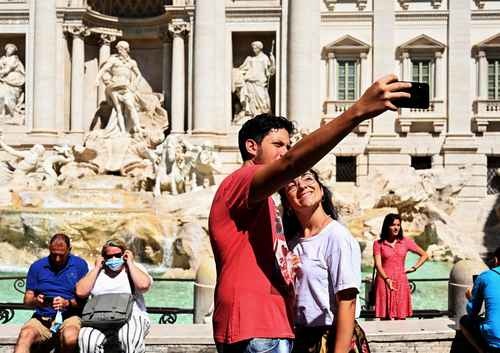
(419, 99)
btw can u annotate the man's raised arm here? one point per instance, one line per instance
(308, 151)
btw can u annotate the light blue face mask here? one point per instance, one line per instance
(115, 263)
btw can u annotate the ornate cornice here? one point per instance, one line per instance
(346, 16)
(421, 15)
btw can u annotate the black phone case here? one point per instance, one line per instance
(419, 92)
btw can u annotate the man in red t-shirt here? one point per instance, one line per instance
(254, 292)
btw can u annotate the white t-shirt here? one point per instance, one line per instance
(105, 284)
(330, 262)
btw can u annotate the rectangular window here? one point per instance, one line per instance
(493, 79)
(346, 169)
(422, 71)
(493, 178)
(347, 79)
(421, 162)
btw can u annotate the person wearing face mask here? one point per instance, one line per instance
(116, 272)
(50, 290)
(392, 295)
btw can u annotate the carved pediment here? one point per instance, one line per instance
(422, 43)
(492, 42)
(346, 44)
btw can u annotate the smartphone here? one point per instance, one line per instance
(48, 300)
(419, 92)
(474, 278)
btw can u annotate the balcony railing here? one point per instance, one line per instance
(435, 116)
(333, 108)
(486, 111)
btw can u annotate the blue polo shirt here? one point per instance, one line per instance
(42, 278)
(487, 288)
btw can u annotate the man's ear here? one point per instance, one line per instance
(251, 146)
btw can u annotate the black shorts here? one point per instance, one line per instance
(472, 325)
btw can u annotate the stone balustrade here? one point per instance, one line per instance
(434, 116)
(485, 112)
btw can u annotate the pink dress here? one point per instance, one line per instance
(397, 303)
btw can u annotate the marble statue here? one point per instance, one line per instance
(71, 163)
(12, 79)
(128, 92)
(175, 169)
(206, 165)
(25, 164)
(120, 75)
(251, 81)
(130, 123)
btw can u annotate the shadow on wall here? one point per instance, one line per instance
(492, 225)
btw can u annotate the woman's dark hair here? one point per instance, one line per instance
(388, 220)
(291, 224)
(257, 128)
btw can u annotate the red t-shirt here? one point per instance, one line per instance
(250, 299)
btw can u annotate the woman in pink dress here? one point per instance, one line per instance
(392, 295)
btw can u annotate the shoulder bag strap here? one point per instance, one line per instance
(131, 282)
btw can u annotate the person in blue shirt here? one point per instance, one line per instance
(50, 290)
(484, 332)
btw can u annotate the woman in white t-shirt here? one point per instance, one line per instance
(116, 272)
(327, 262)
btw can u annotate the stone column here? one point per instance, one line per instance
(104, 54)
(406, 70)
(44, 79)
(178, 28)
(482, 62)
(166, 40)
(365, 75)
(331, 76)
(209, 57)
(439, 80)
(383, 58)
(78, 33)
(459, 39)
(303, 44)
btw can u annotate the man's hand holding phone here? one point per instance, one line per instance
(59, 303)
(379, 97)
(419, 96)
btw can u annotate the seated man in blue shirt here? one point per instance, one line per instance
(50, 289)
(484, 332)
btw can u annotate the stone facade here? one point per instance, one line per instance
(327, 53)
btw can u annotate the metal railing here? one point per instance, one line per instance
(368, 312)
(168, 314)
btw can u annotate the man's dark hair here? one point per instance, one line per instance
(496, 253)
(60, 236)
(257, 128)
